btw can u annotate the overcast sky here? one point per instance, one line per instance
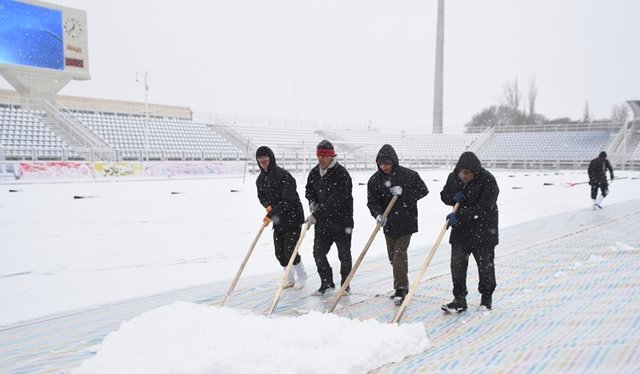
(355, 61)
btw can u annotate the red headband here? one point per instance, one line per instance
(325, 152)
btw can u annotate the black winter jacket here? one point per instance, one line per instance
(277, 187)
(403, 217)
(478, 212)
(333, 195)
(598, 171)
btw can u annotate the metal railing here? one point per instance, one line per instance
(63, 120)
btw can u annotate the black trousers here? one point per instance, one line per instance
(284, 243)
(484, 256)
(604, 188)
(321, 245)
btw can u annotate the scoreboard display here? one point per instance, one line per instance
(37, 35)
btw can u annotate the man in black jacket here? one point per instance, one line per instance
(598, 178)
(474, 228)
(328, 190)
(277, 193)
(392, 179)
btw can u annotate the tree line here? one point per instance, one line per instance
(513, 111)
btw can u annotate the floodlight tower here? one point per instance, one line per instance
(439, 79)
(146, 113)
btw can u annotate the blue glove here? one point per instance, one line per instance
(453, 219)
(458, 197)
(380, 221)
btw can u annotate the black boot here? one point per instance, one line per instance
(486, 301)
(459, 304)
(324, 288)
(398, 298)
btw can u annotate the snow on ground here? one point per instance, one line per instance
(190, 338)
(134, 238)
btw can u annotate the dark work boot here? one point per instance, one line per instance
(324, 288)
(459, 304)
(398, 298)
(486, 301)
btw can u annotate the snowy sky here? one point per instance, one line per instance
(139, 238)
(362, 60)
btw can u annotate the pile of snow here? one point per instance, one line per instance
(190, 338)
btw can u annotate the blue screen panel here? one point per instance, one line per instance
(30, 35)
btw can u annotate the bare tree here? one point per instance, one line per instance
(533, 95)
(619, 113)
(495, 116)
(511, 95)
(510, 111)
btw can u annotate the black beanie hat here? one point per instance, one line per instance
(603, 154)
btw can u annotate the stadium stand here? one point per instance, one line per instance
(632, 132)
(283, 140)
(162, 137)
(23, 135)
(549, 146)
(160, 132)
(545, 146)
(357, 147)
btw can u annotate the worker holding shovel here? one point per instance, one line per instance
(278, 193)
(390, 180)
(474, 228)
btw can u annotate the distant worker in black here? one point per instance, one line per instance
(329, 191)
(474, 228)
(278, 193)
(392, 179)
(598, 178)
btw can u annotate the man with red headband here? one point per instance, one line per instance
(328, 190)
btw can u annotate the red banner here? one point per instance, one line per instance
(56, 170)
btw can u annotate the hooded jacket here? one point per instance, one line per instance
(403, 217)
(478, 212)
(277, 188)
(598, 170)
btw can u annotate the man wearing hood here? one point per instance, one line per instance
(474, 228)
(392, 179)
(598, 178)
(277, 193)
(329, 191)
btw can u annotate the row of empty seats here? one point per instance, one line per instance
(407, 144)
(558, 145)
(133, 132)
(23, 129)
(23, 135)
(287, 140)
(304, 140)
